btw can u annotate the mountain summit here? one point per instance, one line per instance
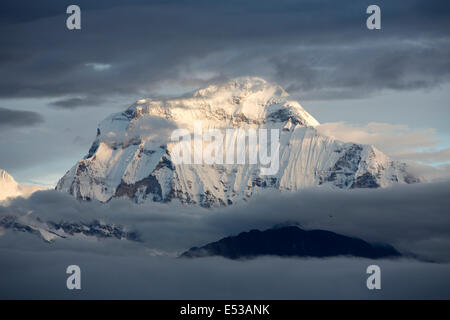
(133, 156)
(9, 188)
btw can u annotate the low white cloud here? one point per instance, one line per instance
(153, 129)
(98, 66)
(442, 155)
(398, 141)
(389, 138)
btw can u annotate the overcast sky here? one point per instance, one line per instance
(389, 87)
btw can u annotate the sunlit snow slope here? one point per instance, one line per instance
(9, 188)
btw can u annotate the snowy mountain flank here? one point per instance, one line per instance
(132, 155)
(50, 231)
(9, 188)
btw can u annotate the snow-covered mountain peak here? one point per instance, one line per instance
(238, 102)
(242, 87)
(5, 177)
(132, 155)
(9, 188)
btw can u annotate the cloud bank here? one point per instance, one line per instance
(321, 50)
(397, 141)
(413, 218)
(42, 275)
(15, 118)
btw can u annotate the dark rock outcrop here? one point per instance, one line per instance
(291, 242)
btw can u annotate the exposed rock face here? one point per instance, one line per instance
(291, 242)
(132, 155)
(49, 231)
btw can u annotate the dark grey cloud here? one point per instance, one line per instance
(41, 275)
(149, 43)
(71, 103)
(16, 118)
(413, 218)
(349, 72)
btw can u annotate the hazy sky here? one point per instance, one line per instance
(57, 84)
